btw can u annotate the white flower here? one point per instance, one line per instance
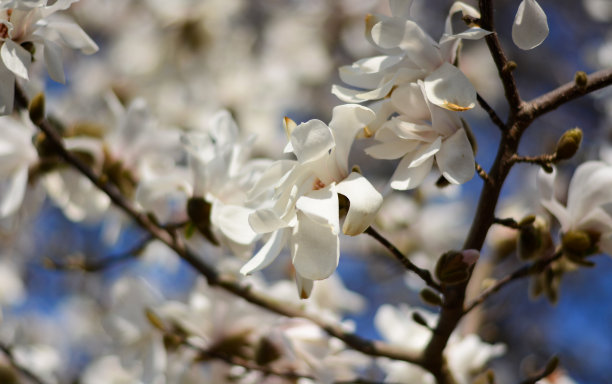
(589, 202)
(304, 210)
(17, 154)
(465, 354)
(530, 26)
(410, 54)
(421, 135)
(26, 23)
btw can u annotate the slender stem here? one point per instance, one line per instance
(545, 160)
(492, 114)
(100, 264)
(424, 274)
(8, 352)
(366, 346)
(482, 173)
(508, 222)
(524, 271)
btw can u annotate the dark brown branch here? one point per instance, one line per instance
(8, 352)
(565, 93)
(508, 222)
(504, 66)
(369, 347)
(491, 112)
(524, 271)
(424, 274)
(100, 264)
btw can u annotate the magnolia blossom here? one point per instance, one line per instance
(530, 26)
(465, 355)
(589, 202)
(422, 133)
(410, 54)
(17, 154)
(305, 207)
(23, 23)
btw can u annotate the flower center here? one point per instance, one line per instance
(3, 28)
(318, 184)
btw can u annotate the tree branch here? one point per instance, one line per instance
(491, 112)
(565, 93)
(424, 274)
(524, 271)
(8, 352)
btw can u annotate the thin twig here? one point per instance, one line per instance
(507, 222)
(8, 352)
(492, 114)
(565, 93)
(101, 264)
(524, 271)
(424, 274)
(542, 160)
(366, 346)
(482, 173)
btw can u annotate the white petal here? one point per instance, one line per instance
(53, 60)
(311, 140)
(410, 102)
(367, 73)
(16, 58)
(406, 177)
(13, 191)
(391, 149)
(424, 153)
(365, 201)
(530, 26)
(233, 221)
(266, 255)
(304, 286)
(456, 158)
(346, 121)
(321, 206)
(546, 188)
(74, 36)
(459, 6)
(447, 87)
(266, 220)
(315, 249)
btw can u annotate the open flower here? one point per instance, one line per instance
(410, 54)
(23, 23)
(586, 220)
(304, 210)
(421, 135)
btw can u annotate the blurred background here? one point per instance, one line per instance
(266, 59)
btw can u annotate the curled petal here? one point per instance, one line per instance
(304, 286)
(447, 87)
(53, 60)
(12, 191)
(530, 26)
(367, 73)
(391, 149)
(311, 140)
(233, 221)
(74, 36)
(365, 201)
(315, 248)
(406, 177)
(347, 121)
(16, 58)
(456, 158)
(267, 253)
(7, 90)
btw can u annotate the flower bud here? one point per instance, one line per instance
(533, 237)
(577, 243)
(37, 108)
(568, 144)
(198, 211)
(430, 297)
(454, 267)
(266, 352)
(581, 79)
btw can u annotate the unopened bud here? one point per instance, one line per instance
(581, 79)
(454, 267)
(431, 297)
(419, 319)
(198, 211)
(37, 108)
(266, 352)
(509, 66)
(577, 243)
(568, 144)
(531, 237)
